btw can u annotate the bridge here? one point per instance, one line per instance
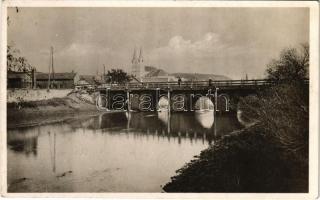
(217, 95)
(187, 85)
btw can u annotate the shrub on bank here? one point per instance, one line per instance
(35, 104)
(284, 115)
(246, 161)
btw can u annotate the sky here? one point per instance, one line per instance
(223, 41)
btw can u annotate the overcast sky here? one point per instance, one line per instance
(225, 41)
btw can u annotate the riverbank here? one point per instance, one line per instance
(244, 161)
(31, 113)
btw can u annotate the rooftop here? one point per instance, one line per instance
(57, 76)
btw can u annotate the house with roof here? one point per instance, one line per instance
(57, 80)
(89, 81)
(19, 80)
(86, 82)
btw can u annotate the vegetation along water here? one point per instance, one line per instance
(271, 153)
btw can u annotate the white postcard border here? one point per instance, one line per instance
(314, 96)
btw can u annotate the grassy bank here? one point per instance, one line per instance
(29, 113)
(245, 161)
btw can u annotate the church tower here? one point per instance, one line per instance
(140, 56)
(137, 63)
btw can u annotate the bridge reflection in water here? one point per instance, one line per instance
(192, 125)
(197, 125)
(111, 152)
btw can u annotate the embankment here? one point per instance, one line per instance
(18, 95)
(244, 161)
(29, 113)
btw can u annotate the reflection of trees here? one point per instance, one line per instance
(113, 120)
(139, 124)
(24, 140)
(225, 124)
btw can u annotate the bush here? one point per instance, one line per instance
(247, 161)
(284, 108)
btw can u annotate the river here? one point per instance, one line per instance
(112, 152)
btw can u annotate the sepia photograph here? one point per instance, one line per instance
(159, 99)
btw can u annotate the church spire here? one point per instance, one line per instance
(134, 58)
(140, 56)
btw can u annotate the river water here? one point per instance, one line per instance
(112, 152)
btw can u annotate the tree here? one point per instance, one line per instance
(117, 76)
(292, 66)
(16, 62)
(284, 108)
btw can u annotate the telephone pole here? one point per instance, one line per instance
(51, 69)
(104, 73)
(52, 65)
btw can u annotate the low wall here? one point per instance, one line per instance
(16, 95)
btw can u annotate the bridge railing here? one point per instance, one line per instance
(194, 84)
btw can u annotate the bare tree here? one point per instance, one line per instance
(284, 108)
(292, 66)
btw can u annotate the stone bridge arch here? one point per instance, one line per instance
(204, 103)
(163, 103)
(223, 102)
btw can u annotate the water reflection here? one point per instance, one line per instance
(205, 118)
(112, 152)
(185, 124)
(24, 141)
(245, 120)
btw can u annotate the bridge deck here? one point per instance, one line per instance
(189, 85)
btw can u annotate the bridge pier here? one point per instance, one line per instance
(169, 101)
(128, 101)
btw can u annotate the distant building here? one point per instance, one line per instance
(154, 74)
(57, 80)
(19, 79)
(137, 63)
(158, 79)
(142, 73)
(88, 82)
(150, 73)
(200, 77)
(149, 68)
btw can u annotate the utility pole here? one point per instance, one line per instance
(52, 64)
(49, 71)
(50, 68)
(104, 73)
